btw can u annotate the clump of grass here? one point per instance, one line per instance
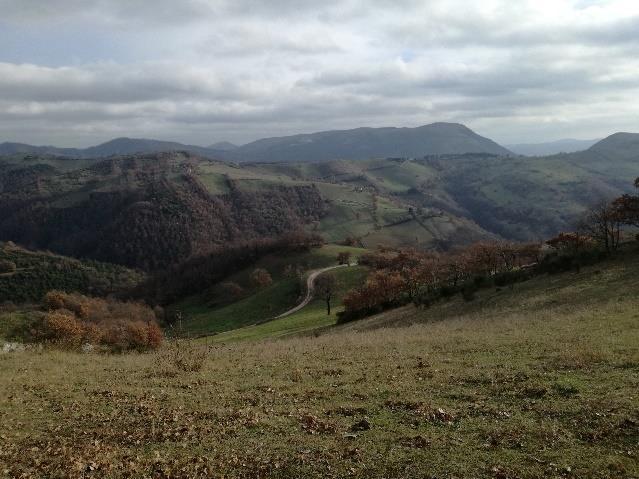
(179, 356)
(579, 357)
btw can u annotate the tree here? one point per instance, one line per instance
(344, 257)
(627, 207)
(261, 278)
(603, 223)
(572, 242)
(326, 286)
(233, 289)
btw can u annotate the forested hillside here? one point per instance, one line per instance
(144, 211)
(155, 210)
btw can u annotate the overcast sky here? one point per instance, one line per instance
(79, 72)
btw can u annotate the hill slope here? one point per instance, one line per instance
(361, 143)
(544, 391)
(37, 273)
(551, 148)
(147, 211)
(117, 146)
(152, 210)
(365, 143)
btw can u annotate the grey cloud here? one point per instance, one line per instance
(115, 83)
(247, 68)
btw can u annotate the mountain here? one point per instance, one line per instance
(619, 145)
(9, 148)
(130, 146)
(365, 143)
(117, 146)
(358, 144)
(223, 146)
(551, 148)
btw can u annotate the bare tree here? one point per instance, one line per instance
(326, 286)
(344, 257)
(603, 223)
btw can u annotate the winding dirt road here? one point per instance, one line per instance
(310, 289)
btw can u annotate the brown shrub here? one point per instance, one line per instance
(155, 336)
(78, 304)
(63, 327)
(73, 318)
(54, 299)
(181, 356)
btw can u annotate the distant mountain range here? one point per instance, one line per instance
(357, 144)
(551, 148)
(223, 146)
(118, 146)
(366, 143)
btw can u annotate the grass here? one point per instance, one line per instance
(13, 323)
(538, 382)
(311, 317)
(212, 312)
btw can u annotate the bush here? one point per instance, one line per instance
(261, 278)
(233, 289)
(7, 267)
(468, 291)
(73, 319)
(344, 257)
(181, 356)
(62, 326)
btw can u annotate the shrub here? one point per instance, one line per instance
(8, 307)
(261, 278)
(73, 318)
(62, 327)
(181, 356)
(7, 266)
(344, 257)
(468, 292)
(234, 290)
(76, 303)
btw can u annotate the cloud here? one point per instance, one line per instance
(205, 70)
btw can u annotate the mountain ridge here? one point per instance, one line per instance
(354, 144)
(565, 145)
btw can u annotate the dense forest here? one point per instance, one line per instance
(146, 212)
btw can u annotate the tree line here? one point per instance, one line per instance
(405, 276)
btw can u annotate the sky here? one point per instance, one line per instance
(79, 72)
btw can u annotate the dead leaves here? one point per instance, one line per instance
(359, 426)
(434, 415)
(313, 425)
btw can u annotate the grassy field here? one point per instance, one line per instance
(310, 318)
(536, 382)
(213, 311)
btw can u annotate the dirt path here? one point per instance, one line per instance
(310, 289)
